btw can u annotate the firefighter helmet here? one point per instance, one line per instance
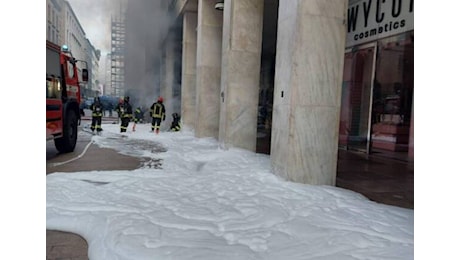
(127, 98)
(160, 99)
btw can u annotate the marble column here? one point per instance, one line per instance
(241, 53)
(308, 80)
(188, 95)
(208, 69)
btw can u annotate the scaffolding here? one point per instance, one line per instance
(117, 60)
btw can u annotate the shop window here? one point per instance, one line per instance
(377, 95)
(356, 93)
(394, 80)
(393, 93)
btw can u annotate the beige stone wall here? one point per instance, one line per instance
(309, 66)
(308, 77)
(242, 44)
(208, 68)
(189, 48)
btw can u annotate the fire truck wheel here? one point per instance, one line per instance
(68, 141)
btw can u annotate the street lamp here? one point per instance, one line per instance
(219, 5)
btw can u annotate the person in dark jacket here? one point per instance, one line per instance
(157, 112)
(96, 109)
(175, 124)
(126, 113)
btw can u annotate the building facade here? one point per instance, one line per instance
(108, 89)
(54, 22)
(293, 49)
(298, 80)
(117, 53)
(64, 28)
(93, 56)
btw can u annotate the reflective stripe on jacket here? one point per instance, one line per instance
(97, 110)
(157, 111)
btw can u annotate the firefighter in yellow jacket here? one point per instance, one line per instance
(157, 112)
(126, 112)
(96, 109)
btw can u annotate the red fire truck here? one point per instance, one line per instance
(63, 79)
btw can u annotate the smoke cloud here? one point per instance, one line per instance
(147, 25)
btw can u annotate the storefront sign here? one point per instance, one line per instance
(369, 20)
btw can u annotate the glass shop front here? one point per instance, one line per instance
(378, 79)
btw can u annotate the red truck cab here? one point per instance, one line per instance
(63, 79)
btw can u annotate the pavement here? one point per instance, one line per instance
(381, 179)
(62, 245)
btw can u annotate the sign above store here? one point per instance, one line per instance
(369, 20)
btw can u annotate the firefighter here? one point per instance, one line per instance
(138, 117)
(96, 109)
(157, 112)
(175, 125)
(118, 109)
(126, 113)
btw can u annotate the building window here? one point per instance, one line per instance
(53, 88)
(70, 70)
(56, 20)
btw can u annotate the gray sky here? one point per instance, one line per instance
(95, 16)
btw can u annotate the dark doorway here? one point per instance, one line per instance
(267, 76)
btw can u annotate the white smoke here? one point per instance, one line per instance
(147, 24)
